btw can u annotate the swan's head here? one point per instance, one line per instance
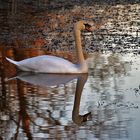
(82, 25)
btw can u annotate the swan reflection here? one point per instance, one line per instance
(56, 80)
(76, 117)
(43, 80)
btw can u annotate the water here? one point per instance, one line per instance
(101, 105)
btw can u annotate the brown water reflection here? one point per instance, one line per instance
(100, 105)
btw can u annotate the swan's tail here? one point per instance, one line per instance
(12, 78)
(12, 61)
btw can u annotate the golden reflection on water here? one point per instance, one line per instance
(37, 106)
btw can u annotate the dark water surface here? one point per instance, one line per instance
(49, 24)
(101, 105)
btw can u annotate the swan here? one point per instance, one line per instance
(53, 64)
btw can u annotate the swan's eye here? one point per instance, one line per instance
(88, 27)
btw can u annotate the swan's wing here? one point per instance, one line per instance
(48, 64)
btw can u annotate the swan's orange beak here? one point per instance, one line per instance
(88, 27)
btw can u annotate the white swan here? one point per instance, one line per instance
(53, 64)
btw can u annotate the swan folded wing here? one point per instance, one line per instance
(48, 64)
(58, 65)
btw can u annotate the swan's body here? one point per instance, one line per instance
(46, 64)
(53, 64)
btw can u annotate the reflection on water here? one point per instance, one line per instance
(45, 80)
(101, 105)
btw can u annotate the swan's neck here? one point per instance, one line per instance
(79, 51)
(78, 46)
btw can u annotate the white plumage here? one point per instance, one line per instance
(46, 64)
